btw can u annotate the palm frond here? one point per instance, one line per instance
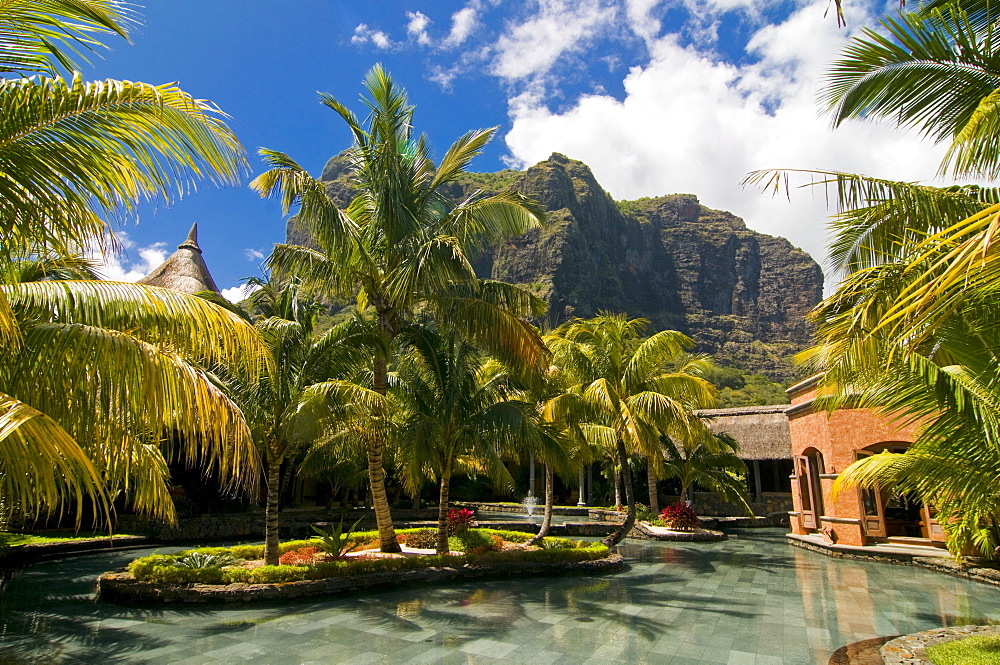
(37, 36)
(71, 151)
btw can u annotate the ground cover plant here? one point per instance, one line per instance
(306, 560)
(12, 539)
(978, 650)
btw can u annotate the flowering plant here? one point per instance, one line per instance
(460, 519)
(679, 516)
(300, 557)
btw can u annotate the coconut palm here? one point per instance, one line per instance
(709, 460)
(565, 447)
(910, 330)
(105, 383)
(402, 245)
(631, 388)
(934, 69)
(461, 413)
(95, 376)
(295, 403)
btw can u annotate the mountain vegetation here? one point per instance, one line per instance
(742, 295)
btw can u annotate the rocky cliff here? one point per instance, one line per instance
(741, 294)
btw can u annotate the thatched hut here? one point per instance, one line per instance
(765, 443)
(184, 270)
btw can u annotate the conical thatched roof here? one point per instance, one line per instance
(762, 431)
(184, 271)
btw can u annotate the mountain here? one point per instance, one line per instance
(741, 294)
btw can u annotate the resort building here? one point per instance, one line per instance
(766, 447)
(824, 444)
(185, 270)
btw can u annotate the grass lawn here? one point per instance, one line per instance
(10, 539)
(980, 650)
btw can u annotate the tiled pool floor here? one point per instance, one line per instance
(752, 600)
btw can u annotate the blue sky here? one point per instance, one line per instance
(656, 96)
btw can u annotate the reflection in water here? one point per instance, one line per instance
(711, 601)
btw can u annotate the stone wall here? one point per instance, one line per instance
(711, 504)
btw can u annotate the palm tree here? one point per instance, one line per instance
(709, 460)
(565, 447)
(295, 403)
(100, 377)
(628, 386)
(910, 330)
(934, 69)
(460, 412)
(92, 375)
(402, 245)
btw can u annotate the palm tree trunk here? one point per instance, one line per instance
(654, 497)
(619, 534)
(376, 474)
(271, 512)
(543, 530)
(442, 540)
(618, 485)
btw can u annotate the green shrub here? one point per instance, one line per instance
(589, 553)
(474, 541)
(247, 552)
(480, 544)
(559, 544)
(509, 536)
(197, 560)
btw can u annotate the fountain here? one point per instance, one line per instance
(529, 504)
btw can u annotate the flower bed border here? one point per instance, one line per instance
(123, 589)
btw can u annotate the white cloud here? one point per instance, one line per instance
(417, 27)
(530, 49)
(238, 293)
(689, 122)
(253, 254)
(121, 267)
(364, 35)
(463, 23)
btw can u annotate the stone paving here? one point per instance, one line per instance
(751, 600)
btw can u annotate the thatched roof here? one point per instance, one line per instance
(762, 431)
(184, 271)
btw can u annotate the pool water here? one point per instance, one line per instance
(751, 600)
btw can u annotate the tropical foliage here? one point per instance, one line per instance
(402, 245)
(102, 383)
(460, 412)
(298, 399)
(911, 329)
(631, 392)
(709, 460)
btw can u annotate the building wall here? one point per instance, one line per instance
(838, 436)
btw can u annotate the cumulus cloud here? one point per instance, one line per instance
(417, 27)
(463, 23)
(532, 47)
(238, 293)
(690, 122)
(132, 264)
(365, 35)
(253, 254)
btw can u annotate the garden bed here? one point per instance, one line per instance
(647, 531)
(481, 554)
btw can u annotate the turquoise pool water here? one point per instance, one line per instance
(752, 600)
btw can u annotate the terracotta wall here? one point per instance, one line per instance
(837, 436)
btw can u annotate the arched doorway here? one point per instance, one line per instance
(808, 467)
(896, 517)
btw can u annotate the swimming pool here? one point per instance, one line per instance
(751, 600)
